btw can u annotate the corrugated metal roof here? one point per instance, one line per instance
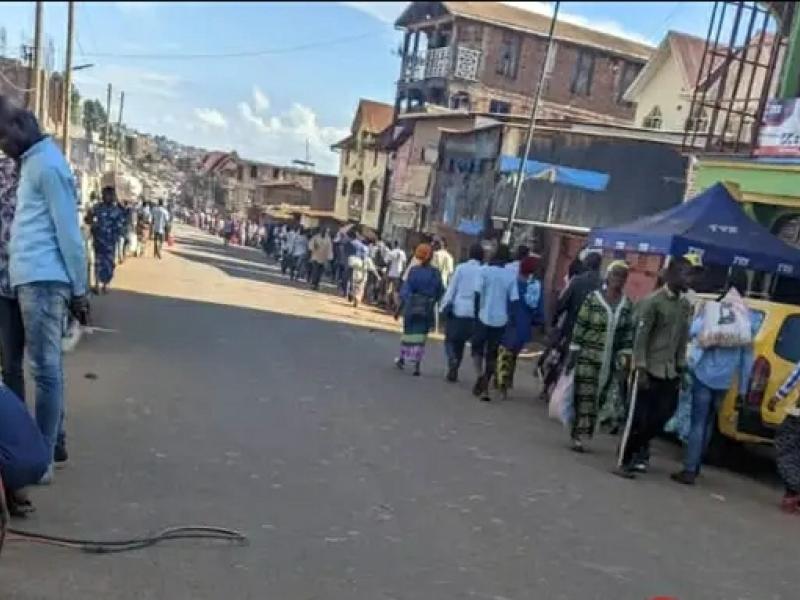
(375, 116)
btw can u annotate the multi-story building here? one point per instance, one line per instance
(486, 57)
(238, 184)
(362, 164)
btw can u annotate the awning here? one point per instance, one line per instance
(593, 181)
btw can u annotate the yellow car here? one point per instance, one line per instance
(776, 351)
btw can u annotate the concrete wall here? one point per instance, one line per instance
(667, 91)
(367, 166)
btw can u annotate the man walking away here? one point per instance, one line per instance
(299, 251)
(498, 288)
(458, 304)
(12, 334)
(160, 221)
(107, 223)
(443, 260)
(659, 357)
(321, 254)
(48, 262)
(523, 252)
(397, 264)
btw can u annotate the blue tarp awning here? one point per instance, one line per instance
(588, 180)
(712, 224)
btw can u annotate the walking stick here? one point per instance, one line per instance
(633, 393)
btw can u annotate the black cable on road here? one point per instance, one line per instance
(91, 546)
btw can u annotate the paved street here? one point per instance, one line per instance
(224, 395)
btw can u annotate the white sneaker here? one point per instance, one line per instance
(47, 478)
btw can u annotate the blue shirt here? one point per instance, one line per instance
(716, 367)
(498, 289)
(465, 283)
(46, 241)
(360, 249)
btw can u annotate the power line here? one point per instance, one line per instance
(285, 50)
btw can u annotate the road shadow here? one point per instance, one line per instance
(751, 462)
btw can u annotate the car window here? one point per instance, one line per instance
(787, 346)
(757, 319)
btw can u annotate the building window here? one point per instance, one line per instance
(584, 70)
(375, 157)
(508, 61)
(627, 74)
(372, 195)
(459, 101)
(344, 186)
(471, 33)
(253, 172)
(347, 156)
(550, 63)
(653, 120)
(498, 107)
(698, 120)
(240, 172)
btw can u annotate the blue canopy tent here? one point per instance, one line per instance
(712, 224)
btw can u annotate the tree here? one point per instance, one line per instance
(94, 116)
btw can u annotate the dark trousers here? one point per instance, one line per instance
(316, 274)
(485, 345)
(158, 241)
(653, 408)
(12, 346)
(458, 331)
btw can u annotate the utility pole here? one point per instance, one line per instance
(35, 83)
(119, 133)
(68, 79)
(506, 239)
(106, 137)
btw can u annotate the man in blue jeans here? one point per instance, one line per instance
(47, 260)
(713, 370)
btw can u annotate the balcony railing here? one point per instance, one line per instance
(437, 63)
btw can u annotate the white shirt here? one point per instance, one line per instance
(465, 283)
(498, 288)
(160, 219)
(443, 261)
(299, 245)
(397, 262)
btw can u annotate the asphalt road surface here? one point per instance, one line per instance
(219, 393)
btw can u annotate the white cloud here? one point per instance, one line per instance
(283, 137)
(260, 99)
(211, 117)
(387, 12)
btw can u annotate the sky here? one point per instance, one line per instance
(269, 79)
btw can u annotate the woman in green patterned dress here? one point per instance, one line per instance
(601, 347)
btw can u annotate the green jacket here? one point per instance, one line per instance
(662, 333)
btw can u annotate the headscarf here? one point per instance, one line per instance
(616, 265)
(528, 265)
(423, 253)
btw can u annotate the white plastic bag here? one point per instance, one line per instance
(561, 405)
(726, 323)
